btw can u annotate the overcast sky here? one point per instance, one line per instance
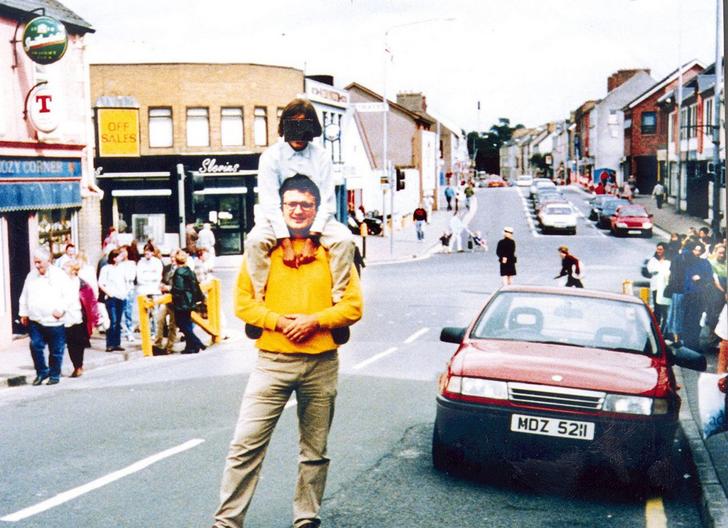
(532, 61)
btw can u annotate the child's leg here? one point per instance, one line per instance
(258, 244)
(337, 239)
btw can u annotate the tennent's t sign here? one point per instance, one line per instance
(118, 132)
(45, 40)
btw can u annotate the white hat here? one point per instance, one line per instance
(508, 229)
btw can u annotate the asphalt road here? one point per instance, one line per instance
(142, 444)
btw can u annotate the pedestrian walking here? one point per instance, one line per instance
(83, 315)
(297, 353)
(130, 257)
(449, 195)
(429, 202)
(296, 155)
(44, 302)
(165, 323)
(114, 284)
(570, 268)
(456, 231)
(659, 269)
(186, 297)
(469, 191)
(506, 253)
(658, 191)
(420, 217)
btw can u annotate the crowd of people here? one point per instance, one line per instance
(65, 298)
(688, 291)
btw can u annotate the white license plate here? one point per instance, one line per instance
(552, 427)
(634, 231)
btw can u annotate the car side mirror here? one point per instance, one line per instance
(687, 358)
(650, 215)
(452, 334)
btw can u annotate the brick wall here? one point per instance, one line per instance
(211, 86)
(622, 76)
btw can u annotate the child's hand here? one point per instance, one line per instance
(289, 256)
(308, 253)
(723, 384)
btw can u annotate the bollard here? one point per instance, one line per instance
(645, 295)
(364, 231)
(627, 287)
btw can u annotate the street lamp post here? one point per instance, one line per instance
(385, 112)
(715, 224)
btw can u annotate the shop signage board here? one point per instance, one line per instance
(39, 183)
(44, 109)
(45, 40)
(118, 130)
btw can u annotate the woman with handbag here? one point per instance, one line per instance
(186, 297)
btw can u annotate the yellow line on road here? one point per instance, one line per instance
(655, 513)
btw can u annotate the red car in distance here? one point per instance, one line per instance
(632, 219)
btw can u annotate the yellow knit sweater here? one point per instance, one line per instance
(303, 290)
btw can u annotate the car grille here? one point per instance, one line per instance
(555, 397)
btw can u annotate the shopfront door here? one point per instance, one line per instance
(228, 217)
(19, 251)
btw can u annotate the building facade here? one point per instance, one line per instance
(44, 171)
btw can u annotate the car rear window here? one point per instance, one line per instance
(568, 320)
(558, 210)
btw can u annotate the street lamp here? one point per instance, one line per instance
(385, 112)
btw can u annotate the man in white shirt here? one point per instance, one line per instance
(149, 273)
(297, 154)
(46, 298)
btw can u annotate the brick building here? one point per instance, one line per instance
(179, 143)
(44, 169)
(645, 131)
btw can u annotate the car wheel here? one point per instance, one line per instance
(648, 233)
(445, 458)
(573, 231)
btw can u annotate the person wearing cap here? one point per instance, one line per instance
(570, 268)
(506, 253)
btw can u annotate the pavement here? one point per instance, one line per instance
(710, 456)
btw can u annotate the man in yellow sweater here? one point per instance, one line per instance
(297, 354)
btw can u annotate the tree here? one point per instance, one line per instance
(484, 147)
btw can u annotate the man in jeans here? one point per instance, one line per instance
(46, 297)
(297, 354)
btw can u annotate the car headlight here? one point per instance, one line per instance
(622, 225)
(483, 388)
(647, 225)
(629, 404)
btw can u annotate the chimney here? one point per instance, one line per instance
(412, 101)
(620, 77)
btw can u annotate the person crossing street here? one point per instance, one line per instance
(570, 268)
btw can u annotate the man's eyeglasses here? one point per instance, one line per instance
(305, 206)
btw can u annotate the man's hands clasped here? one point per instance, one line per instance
(297, 327)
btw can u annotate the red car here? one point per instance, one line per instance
(632, 219)
(495, 181)
(560, 374)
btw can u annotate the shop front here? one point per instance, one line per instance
(39, 202)
(155, 197)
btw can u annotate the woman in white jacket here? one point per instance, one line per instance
(659, 268)
(114, 285)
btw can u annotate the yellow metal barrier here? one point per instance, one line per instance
(211, 324)
(643, 293)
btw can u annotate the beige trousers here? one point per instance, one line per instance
(335, 238)
(275, 377)
(165, 311)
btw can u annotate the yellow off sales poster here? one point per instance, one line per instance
(118, 132)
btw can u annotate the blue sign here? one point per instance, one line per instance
(39, 183)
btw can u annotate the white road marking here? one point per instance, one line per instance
(417, 334)
(374, 358)
(98, 483)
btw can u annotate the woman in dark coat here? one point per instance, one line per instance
(506, 253)
(186, 296)
(81, 318)
(698, 281)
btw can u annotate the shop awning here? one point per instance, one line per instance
(28, 184)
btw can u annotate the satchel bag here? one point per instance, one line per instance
(669, 290)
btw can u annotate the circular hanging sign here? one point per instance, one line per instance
(45, 40)
(44, 110)
(332, 132)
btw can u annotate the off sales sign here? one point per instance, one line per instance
(118, 132)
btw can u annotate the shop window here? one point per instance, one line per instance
(161, 133)
(649, 122)
(54, 230)
(260, 127)
(693, 130)
(708, 115)
(231, 127)
(198, 127)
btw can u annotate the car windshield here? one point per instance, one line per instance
(633, 211)
(558, 210)
(611, 205)
(568, 320)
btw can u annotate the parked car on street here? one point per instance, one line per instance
(557, 217)
(632, 219)
(548, 194)
(578, 376)
(608, 209)
(596, 205)
(524, 180)
(540, 183)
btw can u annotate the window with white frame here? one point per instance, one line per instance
(708, 115)
(231, 127)
(260, 127)
(684, 123)
(198, 127)
(693, 121)
(161, 131)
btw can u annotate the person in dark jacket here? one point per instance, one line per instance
(186, 296)
(506, 253)
(698, 281)
(570, 268)
(676, 292)
(81, 317)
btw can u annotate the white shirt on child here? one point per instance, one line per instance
(278, 163)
